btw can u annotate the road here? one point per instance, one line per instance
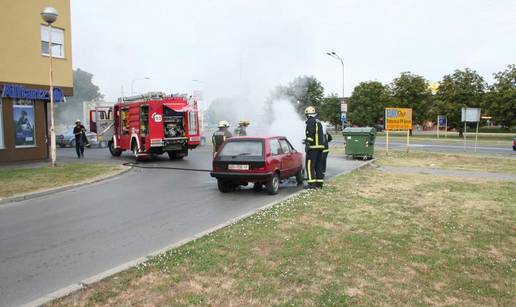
(53, 241)
(429, 146)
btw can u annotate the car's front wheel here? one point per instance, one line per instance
(300, 177)
(272, 185)
(224, 186)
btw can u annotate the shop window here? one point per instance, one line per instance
(23, 113)
(1, 126)
(57, 42)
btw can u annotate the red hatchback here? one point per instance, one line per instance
(261, 160)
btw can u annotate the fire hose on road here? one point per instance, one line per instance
(139, 165)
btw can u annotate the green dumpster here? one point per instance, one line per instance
(359, 142)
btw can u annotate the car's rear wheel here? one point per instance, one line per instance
(224, 186)
(300, 177)
(272, 185)
(114, 151)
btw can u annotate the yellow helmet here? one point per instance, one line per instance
(310, 111)
(244, 122)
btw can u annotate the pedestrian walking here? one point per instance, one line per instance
(314, 149)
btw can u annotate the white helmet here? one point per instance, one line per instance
(223, 124)
(310, 111)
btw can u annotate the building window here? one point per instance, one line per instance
(57, 42)
(23, 113)
(1, 126)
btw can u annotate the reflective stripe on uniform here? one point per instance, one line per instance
(316, 146)
(326, 150)
(316, 134)
(309, 139)
(311, 181)
(308, 167)
(318, 180)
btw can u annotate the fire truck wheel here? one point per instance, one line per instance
(272, 185)
(224, 186)
(114, 152)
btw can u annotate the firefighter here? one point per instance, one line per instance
(241, 129)
(79, 132)
(327, 139)
(220, 136)
(314, 146)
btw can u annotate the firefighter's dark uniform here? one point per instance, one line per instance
(326, 151)
(314, 147)
(240, 131)
(219, 137)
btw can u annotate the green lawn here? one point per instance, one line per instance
(368, 238)
(481, 163)
(27, 180)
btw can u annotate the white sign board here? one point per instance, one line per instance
(470, 115)
(343, 105)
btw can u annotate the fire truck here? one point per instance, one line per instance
(150, 124)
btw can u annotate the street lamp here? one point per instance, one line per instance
(49, 15)
(136, 79)
(336, 56)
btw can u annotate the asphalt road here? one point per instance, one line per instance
(50, 242)
(428, 146)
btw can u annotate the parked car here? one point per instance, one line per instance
(514, 143)
(67, 139)
(260, 160)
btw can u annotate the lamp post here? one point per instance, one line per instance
(336, 56)
(136, 79)
(49, 15)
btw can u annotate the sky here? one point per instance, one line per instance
(230, 48)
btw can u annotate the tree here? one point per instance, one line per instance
(305, 91)
(463, 88)
(501, 99)
(330, 110)
(84, 90)
(367, 103)
(412, 91)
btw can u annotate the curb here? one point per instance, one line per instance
(125, 266)
(50, 191)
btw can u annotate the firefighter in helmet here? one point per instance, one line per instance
(327, 139)
(314, 146)
(241, 129)
(220, 136)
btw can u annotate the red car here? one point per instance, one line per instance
(261, 160)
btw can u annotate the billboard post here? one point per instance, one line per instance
(398, 119)
(470, 115)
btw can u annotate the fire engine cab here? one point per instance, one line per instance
(154, 124)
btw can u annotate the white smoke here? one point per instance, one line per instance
(287, 123)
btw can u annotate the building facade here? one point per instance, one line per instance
(24, 76)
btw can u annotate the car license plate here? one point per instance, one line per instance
(244, 167)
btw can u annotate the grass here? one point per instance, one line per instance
(496, 164)
(368, 238)
(484, 139)
(17, 181)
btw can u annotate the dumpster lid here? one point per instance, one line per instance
(359, 130)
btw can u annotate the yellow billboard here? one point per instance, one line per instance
(398, 119)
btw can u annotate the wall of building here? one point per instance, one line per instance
(21, 61)
(39, 151)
